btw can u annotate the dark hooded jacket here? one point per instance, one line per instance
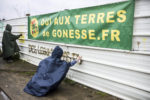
(9, 45)
(51, 71)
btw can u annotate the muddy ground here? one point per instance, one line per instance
(14, 77)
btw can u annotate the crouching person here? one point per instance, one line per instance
(51, 71)
(9, 44)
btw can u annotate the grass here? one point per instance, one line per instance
(28, 73)
(101, 93)
(20, 72)
(71, 82)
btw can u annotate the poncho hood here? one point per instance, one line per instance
(57, 52)
(8, 27)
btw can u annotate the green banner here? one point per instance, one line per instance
(107, 26)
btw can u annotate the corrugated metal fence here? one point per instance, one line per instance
(125, 74)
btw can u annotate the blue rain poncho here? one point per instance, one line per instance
(51, 71)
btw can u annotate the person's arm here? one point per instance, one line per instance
(14, 37)
(74, 61)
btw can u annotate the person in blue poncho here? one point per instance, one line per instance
(51, 71)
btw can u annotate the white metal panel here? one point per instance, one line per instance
(141, 43)
(97, 68)
(126, 60)
(125, 74)
(142, 8)
(120, 90)
(112, 85)
(19, 28)
(18, 21)
(142, 27)
(106, 66)
(117, 75)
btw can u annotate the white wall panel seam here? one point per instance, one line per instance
(30, 55)
(16, 19)
(126, 90)
(101, 89)
(117, 66)
(135, 35)
(20, 45)
(142, 35)
(18, 32)
(15, 25)
(113, 80)
(141, 16)
(93, 48)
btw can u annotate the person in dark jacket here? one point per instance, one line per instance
(9, 45)
(51, 71)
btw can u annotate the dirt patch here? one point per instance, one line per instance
(14, 77)
(13, 83)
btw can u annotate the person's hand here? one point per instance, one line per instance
(79, 59)
(20, 35)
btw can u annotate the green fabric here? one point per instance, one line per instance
(9, 44)
(107, 26)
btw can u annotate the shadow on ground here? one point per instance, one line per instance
(14, 77)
